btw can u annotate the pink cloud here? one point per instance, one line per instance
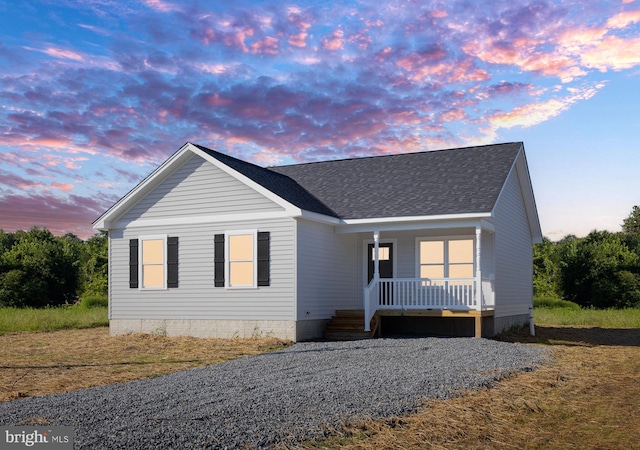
(420, 61)
(334, 42)
(162, 6)
(538, 112)
(452, 115)
(62, 53)
(237, 39)
(64, 187)
(612, 53)
(266, 46)
(301, 24)
(624, 19)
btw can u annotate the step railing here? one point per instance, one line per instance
(426, 293)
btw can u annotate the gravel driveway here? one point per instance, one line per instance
(287, 396)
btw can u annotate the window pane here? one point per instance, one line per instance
(241, 247)
(461, 271)
(383, 254)
(432, 252)
(241, 273)
(461, 251)
(153, 276)
(152, 251)
(432, 272)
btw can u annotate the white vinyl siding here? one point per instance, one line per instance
(513, 252)
(327, 271)
(198, 188)
(197, 298)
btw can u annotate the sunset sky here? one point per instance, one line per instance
(95, 94)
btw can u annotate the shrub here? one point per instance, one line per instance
(93, 301)
(552, 302)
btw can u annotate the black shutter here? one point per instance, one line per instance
(218, 260)
(263, 258)
(172, 262)
(133, 263)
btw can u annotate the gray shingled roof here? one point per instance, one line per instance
(454, 181)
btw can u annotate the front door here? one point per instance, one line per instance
(385, 260)
(385, 269)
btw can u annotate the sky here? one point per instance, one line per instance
(95, 94)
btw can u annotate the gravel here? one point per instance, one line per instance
(289, 396)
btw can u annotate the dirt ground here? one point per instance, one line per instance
(588, 397)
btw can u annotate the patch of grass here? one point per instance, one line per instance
(92, 301)
(607, 318)
(49, 319)
(66, 360)
(552, 302)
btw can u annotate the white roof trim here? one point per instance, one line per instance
(521, 168)
(416, 222)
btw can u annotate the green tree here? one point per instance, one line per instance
(95, 268)
(631, 225)
(39, 269)
(546, 270)
(600, 271)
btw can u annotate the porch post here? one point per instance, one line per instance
(478, 272)
(376, 261)
(478, 319)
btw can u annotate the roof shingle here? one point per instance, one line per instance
(454, 181)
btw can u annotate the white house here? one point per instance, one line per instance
(432, 242)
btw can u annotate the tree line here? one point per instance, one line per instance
(38, 269)
(601, 270)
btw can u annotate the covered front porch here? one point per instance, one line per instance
(427, 297)
(440, 268)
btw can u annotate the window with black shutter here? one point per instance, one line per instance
(133, 263)
(172, 262)
(153, 262)
(242, 259)
(218, 260)
(263, 258)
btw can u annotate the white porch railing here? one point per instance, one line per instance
(426, 293)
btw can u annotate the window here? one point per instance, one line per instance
(383, 254)
(153, 262)
(449, 258)
(241, 259)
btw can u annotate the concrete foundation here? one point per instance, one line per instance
(283, 329)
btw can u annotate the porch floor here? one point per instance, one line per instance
(349, 324)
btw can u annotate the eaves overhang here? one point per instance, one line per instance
(443, 221)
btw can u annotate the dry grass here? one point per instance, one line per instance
(588, 398)
(49, 362)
